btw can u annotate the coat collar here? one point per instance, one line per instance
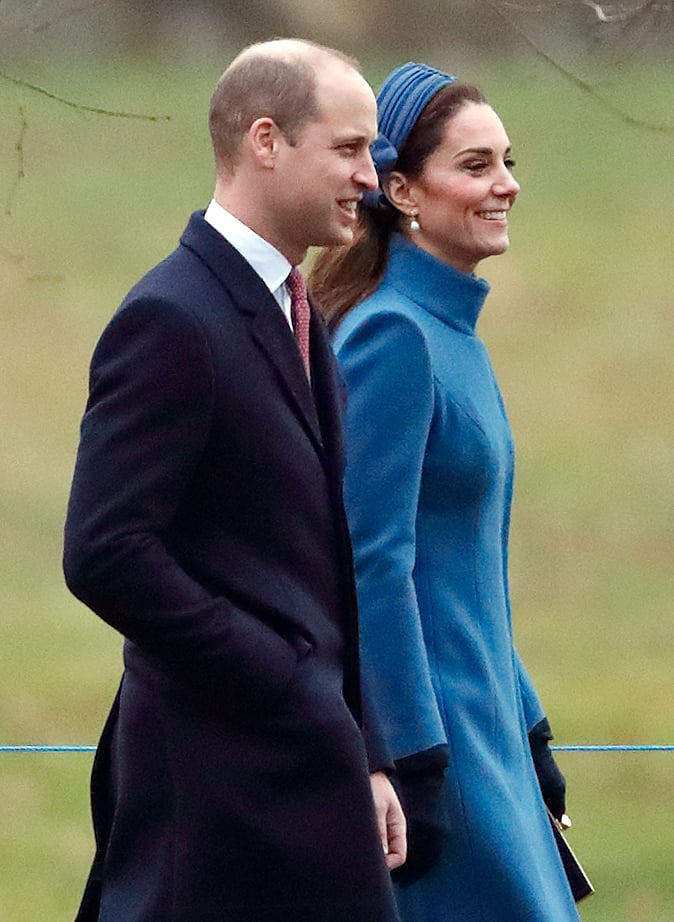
(268, 327)
(454, 297)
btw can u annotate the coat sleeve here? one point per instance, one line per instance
(142, 435)
(386, 365)
(533, 709)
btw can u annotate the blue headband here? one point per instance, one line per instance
(400, 101)
(402, 97)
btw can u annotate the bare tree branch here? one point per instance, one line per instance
(20, 172)
(53, 20)
(55, 97)
(618, 12)
(531, 7)
(605, 12)
(581, 84)
(80, 107)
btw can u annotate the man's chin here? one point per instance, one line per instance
(343, 236)
(336, 236)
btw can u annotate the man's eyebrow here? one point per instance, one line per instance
(356, 138)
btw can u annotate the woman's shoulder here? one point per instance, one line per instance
(385, 312)
(382, 338)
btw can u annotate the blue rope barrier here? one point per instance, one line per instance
(580, 748)
(616, 748)
(47, 749)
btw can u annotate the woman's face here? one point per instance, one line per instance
(466, 190)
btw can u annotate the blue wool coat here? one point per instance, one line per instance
(428, 490)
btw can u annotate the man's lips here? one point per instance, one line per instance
(349, 205)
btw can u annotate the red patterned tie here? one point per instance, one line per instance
(300, 313)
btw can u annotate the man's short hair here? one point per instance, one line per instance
(282, 87)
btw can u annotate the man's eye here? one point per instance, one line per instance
(509, 163)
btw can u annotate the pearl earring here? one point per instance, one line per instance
(414, 224)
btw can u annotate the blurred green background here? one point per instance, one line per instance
(581, 332)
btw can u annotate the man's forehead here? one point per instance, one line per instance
(332, 71)
(342, 87)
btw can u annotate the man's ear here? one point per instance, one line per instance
(400, 192)
(263, 138)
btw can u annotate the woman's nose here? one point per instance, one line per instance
(506, 184)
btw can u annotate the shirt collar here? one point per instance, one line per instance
(270, 265)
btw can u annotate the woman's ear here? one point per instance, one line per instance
(400, 193)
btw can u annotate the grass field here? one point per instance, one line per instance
(581, 331)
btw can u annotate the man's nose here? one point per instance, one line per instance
(366, 174)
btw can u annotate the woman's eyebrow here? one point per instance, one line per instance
(483, 150)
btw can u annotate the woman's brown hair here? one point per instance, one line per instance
(342, 277)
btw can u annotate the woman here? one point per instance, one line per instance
(428, 491)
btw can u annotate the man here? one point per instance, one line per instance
(206, 525)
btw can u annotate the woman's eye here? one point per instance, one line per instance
(509, 163)
(475, 166)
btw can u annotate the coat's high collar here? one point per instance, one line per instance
(426, 280)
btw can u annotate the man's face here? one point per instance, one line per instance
(319, 181)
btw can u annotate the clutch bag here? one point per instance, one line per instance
(580, 883)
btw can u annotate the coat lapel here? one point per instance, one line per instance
(270, 330)
(329, 396)
(268, 327)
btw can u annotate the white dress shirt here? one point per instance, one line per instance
(270, 265)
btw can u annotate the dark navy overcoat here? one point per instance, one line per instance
(206, 525)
